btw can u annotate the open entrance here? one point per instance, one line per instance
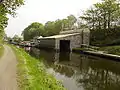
(64, 45)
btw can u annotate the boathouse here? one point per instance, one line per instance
(66, 40)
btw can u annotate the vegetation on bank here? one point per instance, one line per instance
(32, 74)
(107, 49)
(86, 48)
(1, 50)
(111, 49)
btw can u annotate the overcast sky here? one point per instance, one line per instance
(43, 11)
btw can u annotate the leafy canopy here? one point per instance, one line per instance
(7, 7)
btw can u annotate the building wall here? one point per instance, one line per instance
(75, 41)
(47, 43)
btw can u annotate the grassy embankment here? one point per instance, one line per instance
(1, 46)
(107, 49)
(32, 74)
(1, 50)
(87, 48)
(111, 49)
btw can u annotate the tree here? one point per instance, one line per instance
(71, 20)
(33, 30)
(16, 38)
(65, 23)
(53, 27)
(58, 26)
(89, 17)
(7, 7)
(11, 5)
(103, 14)
(49, 28)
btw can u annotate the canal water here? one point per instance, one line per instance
(81, 72)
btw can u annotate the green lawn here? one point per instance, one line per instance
(32, 74)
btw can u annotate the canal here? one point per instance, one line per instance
(81, 72)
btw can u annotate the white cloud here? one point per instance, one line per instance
(43, 11)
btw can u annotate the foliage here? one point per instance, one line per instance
(7, 7)
(50, 27)
(33, 30)
(1, 50)
(69, 22)
(103, 20)
(111, 49)
(3, 20)
(16, 38)
(100, 38)
(32, 74)
(103, 15)
(10, 6)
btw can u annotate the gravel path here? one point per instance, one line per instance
(8, 75)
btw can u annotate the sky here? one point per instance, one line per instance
(43, 11)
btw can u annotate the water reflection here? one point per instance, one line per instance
(81, 72)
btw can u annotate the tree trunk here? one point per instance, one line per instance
(93, 23)
(109, 20)
(99, 23)
(105, 22)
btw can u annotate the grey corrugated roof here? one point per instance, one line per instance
(61, 36)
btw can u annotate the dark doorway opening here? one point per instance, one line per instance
(64, 45)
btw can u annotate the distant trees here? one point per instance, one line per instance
(103, 20)
(16, 38)
(103, 15)
(50, 27)
(33, 30)
(70, 21)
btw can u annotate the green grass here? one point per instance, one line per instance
(1, 50)
(111, 49)
(79, 49)
(108, 49)
(90, 48)
(32, 74)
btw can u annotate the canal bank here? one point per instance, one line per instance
(8, 62)
(101, 52)
(79, 71)
(32, 74)
(1, 50)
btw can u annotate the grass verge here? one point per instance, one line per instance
(111, 49)
(32, 74)
(1, 50)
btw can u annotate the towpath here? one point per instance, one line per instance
(8, 75)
